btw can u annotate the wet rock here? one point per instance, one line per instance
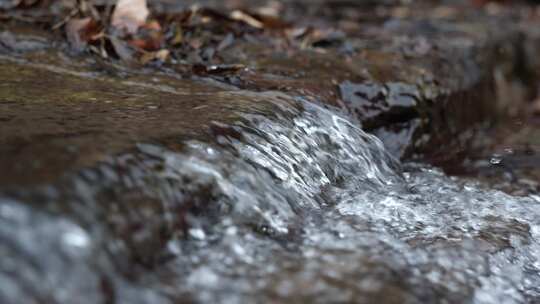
(85, 119)
(381, 105)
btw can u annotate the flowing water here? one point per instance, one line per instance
(298, 206)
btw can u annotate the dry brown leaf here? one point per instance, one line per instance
(148, 44)
(149, 39)
(248, 19)
(129, 15)
(161, 55)
(272, 22)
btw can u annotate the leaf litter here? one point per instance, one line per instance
(129, 30)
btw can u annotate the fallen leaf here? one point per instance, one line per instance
(130, 15)
(80, 31)
(241, 16)
(147, 44)
(272, 22)
(152, 25)
(161, 55)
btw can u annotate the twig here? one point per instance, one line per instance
(72, 14)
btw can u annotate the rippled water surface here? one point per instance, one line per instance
(300, 206)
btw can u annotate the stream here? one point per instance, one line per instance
(297, 206)
(330, 152)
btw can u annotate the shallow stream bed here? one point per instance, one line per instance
(292, 204)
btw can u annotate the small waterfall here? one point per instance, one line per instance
(299, 205)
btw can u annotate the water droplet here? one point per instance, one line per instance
(174, 247)
(76, 238)
(197, 234)
(495, 159)
(509, 151)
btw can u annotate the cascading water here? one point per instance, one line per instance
(297, 206)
